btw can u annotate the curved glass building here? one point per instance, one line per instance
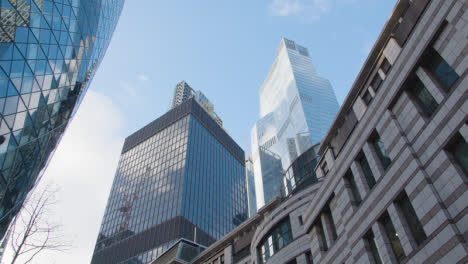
(301, 172)
(49, 52)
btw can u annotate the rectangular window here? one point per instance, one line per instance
(422, 96)
(368, 176)
(324, 168)
(329, 216)
(392, 236)
(440, 69)
(367, 97)
(381, 151)
(221, 259)
(369, 240)
(376, 82)
(321, 235)
(458, 148)
(349, 180)
(385, 66)
(309, 259)
(301, 222)
(417, 230)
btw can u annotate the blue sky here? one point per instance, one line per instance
(225, 49)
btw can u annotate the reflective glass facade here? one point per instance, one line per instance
(296, 109)
(250, 186)
(181, 176)
(49, 52)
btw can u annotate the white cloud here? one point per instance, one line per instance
(286, 7)
(83, 167)
(309, 10)
(142, 77)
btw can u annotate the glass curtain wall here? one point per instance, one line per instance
(49, 52)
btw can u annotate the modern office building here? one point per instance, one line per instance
(184, 92)
(49, 52)
(250, 186)
(296, 108)
(180, 177)
(393, 165)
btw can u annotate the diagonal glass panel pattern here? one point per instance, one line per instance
(49, 52)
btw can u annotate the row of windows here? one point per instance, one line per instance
(324, 222)
(277, 238)
(218, 260)
(409, 218)
(150, 255)
(367, 174)
(217, 175)
(147, 184)
(325, 219)
(376, 81)
(361, 181)
(457, 148)
(439, 70)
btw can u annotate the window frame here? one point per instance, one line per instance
(451, 149)
(403, 203)
(380, 150)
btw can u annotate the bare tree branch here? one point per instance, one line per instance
(34, 233)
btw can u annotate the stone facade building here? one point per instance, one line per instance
(392, 178)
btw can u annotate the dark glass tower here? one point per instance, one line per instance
(49, 52)
(181, 176)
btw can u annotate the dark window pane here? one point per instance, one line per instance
(370, 241)
(369, 177)
(422, 96)
(349, 179)
(381, 151)
(385, 66)
(328, 214)
(309, 259)
(411, 218)
(459, 150)
(392, 236)
(321, 234)
(367, 98)
(441, 70)
(376, 82)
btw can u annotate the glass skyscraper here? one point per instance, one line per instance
(183, 92)
(49, 52)
(181, 176)
(296, 109)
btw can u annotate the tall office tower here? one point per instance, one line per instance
(250, 186)
(183, 92)
(49, 52)
(296, 109)
(181, 176)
